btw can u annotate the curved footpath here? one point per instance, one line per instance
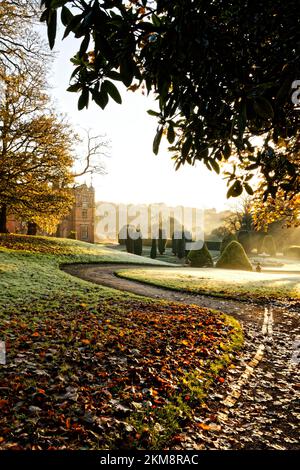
(258, 405)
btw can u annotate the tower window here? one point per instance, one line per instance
(84, 232)
(85, 201)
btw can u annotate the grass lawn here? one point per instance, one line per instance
(167, 257)
(222, 282)
(94, 368)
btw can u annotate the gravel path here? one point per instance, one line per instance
(258, 405)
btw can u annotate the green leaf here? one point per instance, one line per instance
(66, 16)
(235, 190)
(208, 165)
(52, 25)
(100, 97)
(253, 166)
(73, 25)
(171, 133)
(83, 101)
(203, 155)
(44, 16)
(112, 91)
(157, 139)
(263, 108)
(84, 45)
(215, 165)
(155, 20)
(114, 75)
(152, 113)
(127, 71)
(103, 46)
(226, 151)
(218, 155)
(75, 72)
(186, 147)
(146, 26)
(178, 165)
(74, 88)
(58, 3)
(248, 189)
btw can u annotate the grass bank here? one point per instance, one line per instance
(94, 368)
(242, 285)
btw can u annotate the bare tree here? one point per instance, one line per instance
(241, 216)
(21, 46)
(97, 147)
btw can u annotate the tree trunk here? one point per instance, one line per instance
(32, 228)
(3, 219)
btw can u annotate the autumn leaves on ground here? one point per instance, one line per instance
(93, 368)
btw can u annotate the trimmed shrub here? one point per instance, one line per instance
(174, 244)
(162, 241)
(226, 240)
(138, 244)
(153, 251)
(269, 246)
(292, 252)
(72, 235)
(188, 239)
(234, 257)
(201, 258)
(129, 242)
(181, 247)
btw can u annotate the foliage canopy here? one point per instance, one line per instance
(222, 73)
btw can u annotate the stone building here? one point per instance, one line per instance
(14, 225)
(80, 223)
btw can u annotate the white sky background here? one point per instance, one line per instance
(134, 173)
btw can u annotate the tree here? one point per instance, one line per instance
(223, 72)
(162, 241)
(36, 145)
(20, 44)
(234, 257)
(174, 243)
(218, 233)
(96, 147)
(181, 245)
(246, 239)
(201, 258)
(35, 151)
(153, 252)
(129, 240)
(279, 209)
(240, 217)
(138, 243)
(269, 245)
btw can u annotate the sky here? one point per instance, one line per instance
(133, 173)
